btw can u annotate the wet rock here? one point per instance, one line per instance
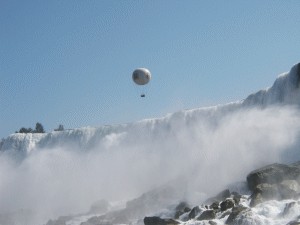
(207, 215)
(227, 204)
(214, 206)
(235, 212)
(289, 189)
(194, 212)
(182, 208)
(264, 192)
(236, 197)
(272, 174)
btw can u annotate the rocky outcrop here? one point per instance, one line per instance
(209, 214)
(274, 182)
(227, 204)
(182, 208)
(272, 174)
(234, 214)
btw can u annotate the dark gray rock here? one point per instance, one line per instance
(272, 174)
(194, 212)
(264, 192)
(227, 204)
(235, 212)
(289, 189)
(236, 197)
(207, 215)
(214, 206)
(181, 208)
(224, 214)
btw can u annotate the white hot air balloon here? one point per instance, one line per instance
(141, 76)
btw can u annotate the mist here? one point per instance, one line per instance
(207, 149)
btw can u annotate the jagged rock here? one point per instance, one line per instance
(182, 208)
(227, 204)
(194, 212)
(264, 192)
(272, 174)
(289, 189)
(154, 220)
(214, 205)
(235, 212)
(178, 214)
(236, 197)
(226, 213)
(207, 215)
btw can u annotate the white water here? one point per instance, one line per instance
(208, 148)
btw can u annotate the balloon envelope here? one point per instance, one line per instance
(141, 76)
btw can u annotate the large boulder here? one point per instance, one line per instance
(287, 189)
(194, 212)
(272, 174)
(207, 215)
(236, 211)
(181, 208)
(264, 192)
(227, 204)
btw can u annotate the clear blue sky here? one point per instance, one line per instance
(70, 62)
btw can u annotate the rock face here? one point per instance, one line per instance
(235, 212)
(274, 182)
(272, 174)
(227, 204)
(207, 215)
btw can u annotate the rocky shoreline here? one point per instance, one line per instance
(275, 182)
